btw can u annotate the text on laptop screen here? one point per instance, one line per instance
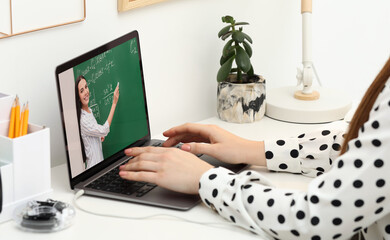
(87, 95)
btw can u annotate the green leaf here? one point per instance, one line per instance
(239, 76)
(227, 57)
(238, 36)
(224, 71)
(248, 48)
(251, 71)
(228, 19)
(226, 35)
(242, 59)
(248, 38)
(222, 60)
(241, 23)
(227, 48)
(224, 31)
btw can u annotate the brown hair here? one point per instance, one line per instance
(78, 111)
(362, 112)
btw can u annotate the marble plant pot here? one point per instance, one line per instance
(241, 102)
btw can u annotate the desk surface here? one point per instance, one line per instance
(94, 227)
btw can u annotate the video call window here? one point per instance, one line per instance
(93, 85)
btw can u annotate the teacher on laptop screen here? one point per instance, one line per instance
(92, 133)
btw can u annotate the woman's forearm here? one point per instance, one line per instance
(113, 106)
(111, 115)
(255, 153)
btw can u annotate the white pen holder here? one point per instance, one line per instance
(24, 166)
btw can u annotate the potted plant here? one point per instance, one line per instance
(241, 93)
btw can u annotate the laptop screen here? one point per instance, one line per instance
(86, 88)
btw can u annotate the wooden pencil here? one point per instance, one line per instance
(11, 130)
(25, 120)
(21, 120)
(17, 118)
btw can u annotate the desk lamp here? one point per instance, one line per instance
(303, 103)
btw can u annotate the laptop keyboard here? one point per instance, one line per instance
(112, 182)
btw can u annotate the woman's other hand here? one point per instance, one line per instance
(170, 168)
(216, 142)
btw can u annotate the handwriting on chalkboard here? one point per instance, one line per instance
(98, 67)
(95, 69)
(108, 96)
(133, 46)
(93, 104)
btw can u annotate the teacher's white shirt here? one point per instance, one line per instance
(91, 133)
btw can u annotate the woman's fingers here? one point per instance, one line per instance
(146, 162)
(188, 132)
(172, 141)
(194, 129)
(200, 148)
(135, 151)
(139, 176)
(184, 138)
(171, 168)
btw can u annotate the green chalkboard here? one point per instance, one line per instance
(103, 72)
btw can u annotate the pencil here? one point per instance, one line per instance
(21, 120)
(25, 120)
(11, 130)
(17, 118)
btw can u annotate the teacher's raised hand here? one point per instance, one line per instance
(116, 95)
(114, 103)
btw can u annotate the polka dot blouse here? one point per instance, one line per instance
(350, 193)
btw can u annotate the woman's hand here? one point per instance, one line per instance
(170, 168)
(216, 142)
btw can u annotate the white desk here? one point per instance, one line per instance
(86, 226)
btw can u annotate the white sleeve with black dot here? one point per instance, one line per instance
(353, 196)
(310, 154)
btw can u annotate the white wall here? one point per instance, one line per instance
(181, 52)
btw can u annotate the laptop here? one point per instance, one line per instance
(117, 63)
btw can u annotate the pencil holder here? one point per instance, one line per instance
(24, 166)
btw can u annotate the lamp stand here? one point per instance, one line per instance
(306, 105)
